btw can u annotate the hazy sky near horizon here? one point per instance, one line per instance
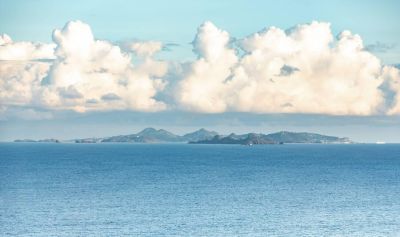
(97, 68)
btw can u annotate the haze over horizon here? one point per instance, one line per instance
(80, 70)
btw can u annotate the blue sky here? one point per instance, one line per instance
(177, 22)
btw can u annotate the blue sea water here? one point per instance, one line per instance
(199, 190)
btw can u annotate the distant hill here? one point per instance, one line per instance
(203, 136)
(87, 140)
(273, 138)
(50, 140)
(247, 139)
(147, 135)
(304, 137)
(25, 140)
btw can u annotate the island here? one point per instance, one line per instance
(274, 138)
(203, 136)
(48, 140)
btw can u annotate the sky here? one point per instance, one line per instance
(73, 69)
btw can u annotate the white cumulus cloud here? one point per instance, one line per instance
(391, 75)
(301, 70)
(305, 69)
(82, 76)
(24, 50)
(204, 87)
(145, 48)
(22, 66)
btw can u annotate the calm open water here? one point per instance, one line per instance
(199, 190)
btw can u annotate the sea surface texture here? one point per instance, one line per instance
(199, 190)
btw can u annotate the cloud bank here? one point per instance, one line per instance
(305, 69)
(83, 74)
(301, 70)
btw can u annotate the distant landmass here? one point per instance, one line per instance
(51, 140)
(203, 136)
(273, 138)
(246, 139)
(199, 135)
(148, 135)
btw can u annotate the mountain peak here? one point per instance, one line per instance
(160, 135)
(149, 129)
(201, 134)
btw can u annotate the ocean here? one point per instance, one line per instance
(199, 190)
